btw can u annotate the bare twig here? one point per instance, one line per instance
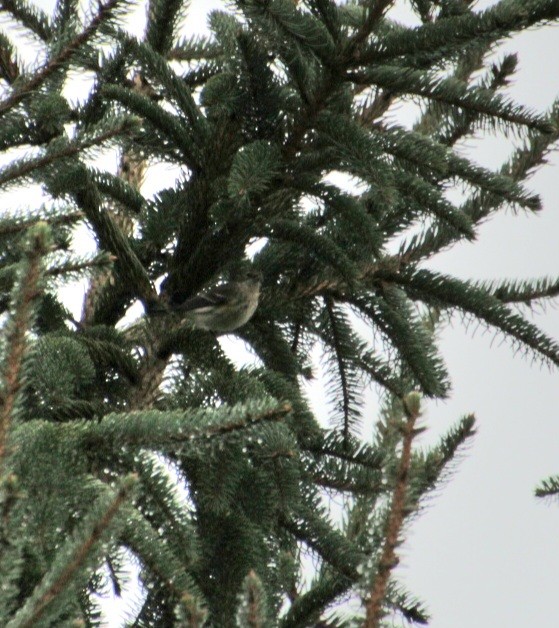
(389, 559)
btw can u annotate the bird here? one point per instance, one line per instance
(225, 307)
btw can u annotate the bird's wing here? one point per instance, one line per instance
(216, 296)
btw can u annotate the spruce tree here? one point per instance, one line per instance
(142, 437)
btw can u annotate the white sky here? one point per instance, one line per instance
(486, 552)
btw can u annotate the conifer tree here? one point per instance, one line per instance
(143, 437)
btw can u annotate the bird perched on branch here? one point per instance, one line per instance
(225, 307)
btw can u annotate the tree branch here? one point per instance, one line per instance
(389, 558)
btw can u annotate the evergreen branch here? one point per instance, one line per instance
(176, 89)
(253, 611)
(128, 196)
(24, 304)
(111, 352)
(200, 75)
(524, 292)
(302, 30)
(62, 149)
(8, 273)
(436, 116)
(430, 469)
(346, 480)
(31, 16)
(147, 389)
(351, 473)
(451, 92)
(318, 286)
(65, 13)
(72, 556)
(445, 291)
(388, 558)
(15, 131)
(317, 243)
(423, 152)
(307, 525)
(112, 239)
(328, 13)
(346, 396)
(353, 215)
(175, 132)
(378, 370)
(307, 608)
(69, 267)
(455, 438)
(9, 67)
(190, 612)
(373, 109)
(254, 169)
(463, 123)
(313, 104)
(352, 354)
(393, 315)
(71, 409)
(357, 150)
(301, 63)
(161, 489)
(162, 21)
(301, 421)
(348, 450)
(151, 428)
(548, 487)
(453, 33)
(491, 183)
(430, 199)
(11, 226)
(196, 48)
(410, 608)
(32, 85)
(271, 346)
(478, 207)
(374, 11)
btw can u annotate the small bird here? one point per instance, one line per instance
(225, 307)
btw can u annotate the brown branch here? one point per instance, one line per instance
(64, 56)
(67, 575)
(389, 559)
(67, 151)
(19, 325)
(375, 13)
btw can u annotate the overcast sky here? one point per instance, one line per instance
(486, 552)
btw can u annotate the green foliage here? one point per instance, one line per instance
(252, 609)
(61, 372)
(253, 170)
(548, 488)
(149, 436)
